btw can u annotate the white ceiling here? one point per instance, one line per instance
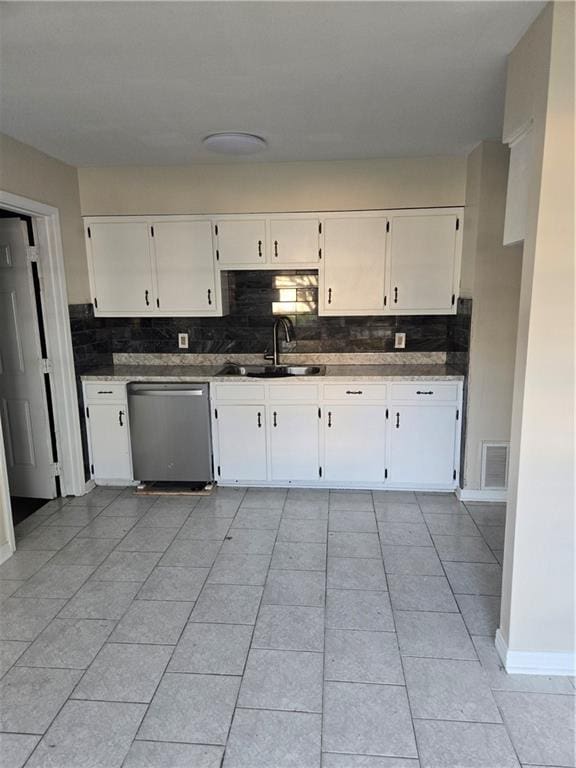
(139, 83)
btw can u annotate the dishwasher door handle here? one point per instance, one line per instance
(166, 392)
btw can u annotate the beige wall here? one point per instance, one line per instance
(265, 187)
(26, 171)
(538, 601)
(491, 276)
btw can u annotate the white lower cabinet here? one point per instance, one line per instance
(294, 442)
(241, 433)
(109, 438)
(354, 443)
(422, 445)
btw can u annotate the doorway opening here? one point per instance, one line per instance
(40, 445)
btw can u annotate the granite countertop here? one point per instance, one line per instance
(208, 373)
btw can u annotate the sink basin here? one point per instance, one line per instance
(270, 371)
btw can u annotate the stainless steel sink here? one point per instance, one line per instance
(270, 371)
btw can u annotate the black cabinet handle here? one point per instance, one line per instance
(329, 418)
(146, 298)
(120, 414)
(259, 419)
(274, 422)
(209, 296)
(329, 295)
(397, 421)
(395, 295)
(260, 248)
(105, 392)
(422, 392)
(354, 392)
(276, 248)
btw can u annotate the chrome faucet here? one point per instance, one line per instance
(288, 328)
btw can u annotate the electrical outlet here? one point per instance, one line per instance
(182, 341)
(399, 341)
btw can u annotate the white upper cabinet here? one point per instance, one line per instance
(423, 264)
(241, 241)
(294, 241)
(354, 265)
(121, 267)
(184, 259)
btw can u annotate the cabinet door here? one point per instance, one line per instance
(354, 259)
(355, 441)
(422, 252)
(294, 241)
(121, 267)
(109, 441)
(242, 442)
(241, 241)
(185, 266)
(294, 442)
(421, 445)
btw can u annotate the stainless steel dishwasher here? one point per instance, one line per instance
(170, 432)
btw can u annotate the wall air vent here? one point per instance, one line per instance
(495, 466)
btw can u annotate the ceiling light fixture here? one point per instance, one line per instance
(234, 143)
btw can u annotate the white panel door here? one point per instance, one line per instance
(422, 259)
(121, 267)
(242, 442)
(354, 443)
(109, 441)
(241, 241)
(185, 270)
(23, 405)
(294, 446)
(421, 445)
(294, 241)
(354, 261)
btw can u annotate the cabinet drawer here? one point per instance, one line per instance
(240, 392)
(354, 392)
(293, 393)
(426, 391)
(101, 391)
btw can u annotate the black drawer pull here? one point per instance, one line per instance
(354, 392)
(423, 392)
(105, 392)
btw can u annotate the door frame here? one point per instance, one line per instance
(46, 220)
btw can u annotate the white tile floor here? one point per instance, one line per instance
(266, 629)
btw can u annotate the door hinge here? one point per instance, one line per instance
(152, 231)
(385, 474)
(217, 255)
(87, 412)
(319, 227)
(219, 473)
(386, 412)
(453, 298)
(457, 223)
(216, 231)
(319, 413)
(95, 302)
(89, 232)
(215, 413)
(32, 252)
(387, 226)
(319, 471)
(454, 475)
(46, 365)
(92, 468)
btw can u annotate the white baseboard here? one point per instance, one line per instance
(549, 663)
(471, 494)
(6, 551)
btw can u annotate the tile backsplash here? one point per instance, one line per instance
(255, 299)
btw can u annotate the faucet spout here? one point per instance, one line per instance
(285, 324)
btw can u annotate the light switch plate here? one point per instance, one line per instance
(399, 341)
(182, 341)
